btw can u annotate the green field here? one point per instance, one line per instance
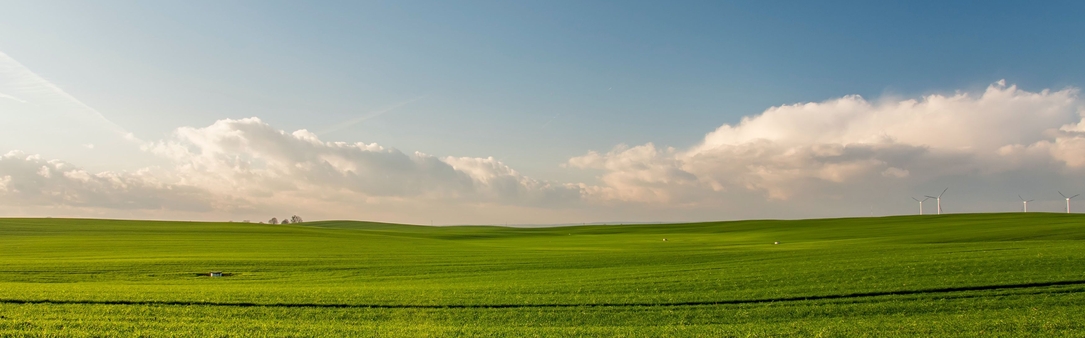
(951, 275)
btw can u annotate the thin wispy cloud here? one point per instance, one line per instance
(549, 121)
(17, 79)
(9, 97)
(370, 115)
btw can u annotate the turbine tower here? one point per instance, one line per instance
(920, 203)
(1024, 202)
(1068, 201)
(939, 199)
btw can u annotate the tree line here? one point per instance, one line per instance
(292, 219)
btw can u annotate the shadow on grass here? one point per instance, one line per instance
(859, 295)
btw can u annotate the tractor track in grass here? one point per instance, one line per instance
(855, 296)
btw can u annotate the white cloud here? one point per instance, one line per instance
(842, 152)
(5, 182)
(895, 172)
(641, 173)
(247, 166)
(250, 159)
(32, 181)
(498, 182)
(801, 149)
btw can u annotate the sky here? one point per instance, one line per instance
(543, 112)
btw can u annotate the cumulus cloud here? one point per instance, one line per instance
(246, 164)
(250, 158)
(498, 182)
(31, 180)
(806, 155)
(641, 173)
(802, 149)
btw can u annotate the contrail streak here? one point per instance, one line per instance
(20, 80)
(548, 122)
(6, 96)
(369, 115)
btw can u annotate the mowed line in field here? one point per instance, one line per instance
(932, 291)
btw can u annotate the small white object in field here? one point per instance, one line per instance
(664, 239)
(775, 242)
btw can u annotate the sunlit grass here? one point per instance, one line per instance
(1002, 274)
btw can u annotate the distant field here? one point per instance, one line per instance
(951, 275)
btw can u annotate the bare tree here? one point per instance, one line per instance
(295, 219)
(273, 221)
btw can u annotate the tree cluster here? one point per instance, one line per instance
(293, 219)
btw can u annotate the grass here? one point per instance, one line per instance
(950, 275)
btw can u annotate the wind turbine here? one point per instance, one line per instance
(939, 199)
(920, 203)
(1024, 202)
(1068, 201)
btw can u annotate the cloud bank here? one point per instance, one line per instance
(250, 159)
(816, 158)
(849, 143)
(31, 180)
(247, 165)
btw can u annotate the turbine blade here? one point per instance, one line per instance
(943, 192)
(1071, 197)
(916, 199)
(1022, 198)
(1063, 196)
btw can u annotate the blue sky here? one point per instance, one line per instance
(529, 84)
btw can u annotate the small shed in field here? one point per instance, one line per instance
(216, 273)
